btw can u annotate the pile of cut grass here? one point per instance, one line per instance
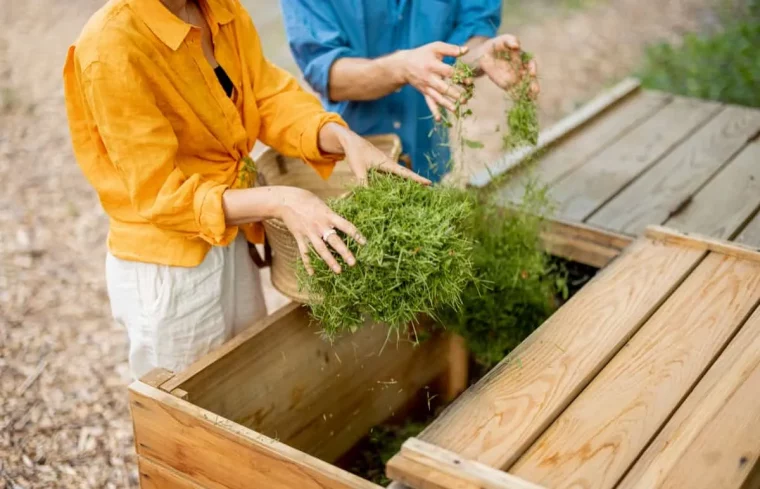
(418, 257)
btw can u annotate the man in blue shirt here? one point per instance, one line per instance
(385, 65)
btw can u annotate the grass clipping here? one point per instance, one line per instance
(418, 257)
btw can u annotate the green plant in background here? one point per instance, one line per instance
(723, 66)
(417, 257)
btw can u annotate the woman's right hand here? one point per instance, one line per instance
(309, 219)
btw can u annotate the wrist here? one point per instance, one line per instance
(397, 67)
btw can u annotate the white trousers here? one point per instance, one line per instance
(174, 315)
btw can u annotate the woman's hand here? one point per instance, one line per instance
(500, 59)
(311, 221)
(362, 156)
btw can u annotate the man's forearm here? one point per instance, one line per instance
(366, 79)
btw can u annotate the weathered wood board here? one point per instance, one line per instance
(649, 158)
(647, 378)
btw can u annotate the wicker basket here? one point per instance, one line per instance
(274, 169)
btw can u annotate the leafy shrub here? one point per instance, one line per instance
(724, 66)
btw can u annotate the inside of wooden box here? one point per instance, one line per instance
(283, 380)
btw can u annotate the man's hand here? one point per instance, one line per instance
(500, 59)
(424, 69)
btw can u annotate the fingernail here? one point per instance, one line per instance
(352, 262)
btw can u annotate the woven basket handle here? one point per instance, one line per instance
(254, 252)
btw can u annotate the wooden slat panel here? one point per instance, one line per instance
(576, 150)
(599, 436)
(586, 189)
(426, 466)
(276, 382)
(156, 476)
(494, 421)
(703, 407)
(737, 250)
(726, 453)
(582, 244)
(558, 131)
(750, 235)
(220, 454)
(725, 204)
(672, 181)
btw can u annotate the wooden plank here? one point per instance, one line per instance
(726, 203)
(156, 476)
(157, 377)
(574, 151)
(560, 130)
(750, 235)
(457, 376)
(671, 182)
(535, 382)
(589, 187)
(425, 466)
(288, 383)
(727, 452)
(583, 244)
(691, 240)
(219, 454)
(714, 391)
(599, 436)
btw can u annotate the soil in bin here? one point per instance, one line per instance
(368, 457)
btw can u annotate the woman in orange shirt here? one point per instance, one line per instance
(166, 99)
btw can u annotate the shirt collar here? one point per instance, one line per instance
(169, 28)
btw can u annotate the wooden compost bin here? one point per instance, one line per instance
(649, 377)
(275, 406)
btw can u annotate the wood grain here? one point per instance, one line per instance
(665, 188)
(670, 236)
(703, 406)
(560, 130)
(156, 476)
(577, 149)
(426, 466)
(726, 203)
(589, 187)
(599, 436)
(750, 234)
(581, 243)
(216, 453)
(494, 421)
(288, 383)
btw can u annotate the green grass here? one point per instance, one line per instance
(722, 66)
(417, 257)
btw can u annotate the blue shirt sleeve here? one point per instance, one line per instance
(316, 40)
(475, 18)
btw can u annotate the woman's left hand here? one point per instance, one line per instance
(361, 155)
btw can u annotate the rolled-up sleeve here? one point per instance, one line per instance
(142, 146)
(316, 40)
(475, 18)
(291, 118)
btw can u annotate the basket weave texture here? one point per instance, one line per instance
(275, 169)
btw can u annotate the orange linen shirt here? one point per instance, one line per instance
(157, 136)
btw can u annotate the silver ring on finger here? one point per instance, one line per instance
(326, 235)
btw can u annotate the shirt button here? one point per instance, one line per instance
(400, 17)
(396, 125)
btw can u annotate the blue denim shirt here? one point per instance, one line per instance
(322, 31)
